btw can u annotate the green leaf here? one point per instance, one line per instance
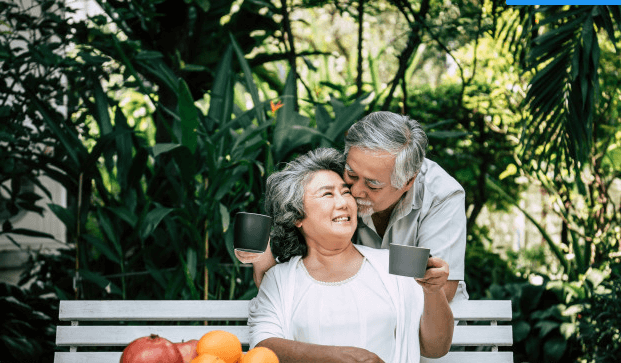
(521, 329)
(226, 217)
(103, 248)
(346, 116)
(68, 139)
(67, 217)
(546, 327)
(161, 148)
(250, 85)
(152, 220)
(322, 118)
(106, 226)
(189, 116)
(205, 5)
(125, 214)
(553, 349)
(99, 280)
(192, 263)
(229, 244)
(147, 55)
(221, 102)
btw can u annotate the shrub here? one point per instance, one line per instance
(600, 322)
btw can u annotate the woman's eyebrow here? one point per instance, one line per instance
(325, 187)
(331, 187)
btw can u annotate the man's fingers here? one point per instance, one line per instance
(435, 262)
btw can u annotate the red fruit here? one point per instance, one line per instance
(151, 349)
(187, 350)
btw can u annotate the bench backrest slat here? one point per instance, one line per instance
(463, 335)
(197, 310)
(482, 310)
(153, 310)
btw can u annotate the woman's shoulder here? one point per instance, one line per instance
(377, 256)
(284, 267)
(372, 252)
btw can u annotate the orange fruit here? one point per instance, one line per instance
(222, 344)
(260, 355)
(207, 358)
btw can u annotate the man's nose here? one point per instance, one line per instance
(357, 190)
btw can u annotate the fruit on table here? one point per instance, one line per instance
(260, 355)
(207, 358)
(221, 344)
(151, 349)
(187, 350)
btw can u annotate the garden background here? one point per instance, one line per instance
(161, 119)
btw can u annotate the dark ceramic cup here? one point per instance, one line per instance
(252, 232)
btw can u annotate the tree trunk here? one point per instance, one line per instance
(360, 43)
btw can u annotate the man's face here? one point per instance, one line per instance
(368, 173)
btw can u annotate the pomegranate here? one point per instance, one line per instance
(151, 349)
(187, 350)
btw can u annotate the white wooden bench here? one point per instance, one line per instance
(185, 312)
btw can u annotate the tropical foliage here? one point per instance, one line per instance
(163, 119)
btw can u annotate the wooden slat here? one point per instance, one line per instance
(482, 310)
(123, 335)
(193, 310)
(472, 357)
(501, 335)
(153, 310)
(451, 357)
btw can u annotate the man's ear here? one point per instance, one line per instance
(298, 223)
(410, 183)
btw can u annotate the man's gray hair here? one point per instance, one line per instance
(397, 134)
(284, 199)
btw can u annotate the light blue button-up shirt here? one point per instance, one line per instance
(431, 214)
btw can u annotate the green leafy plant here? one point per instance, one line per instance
(544, 319)
(599, 321)
(29, 324)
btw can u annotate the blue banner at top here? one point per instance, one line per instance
(563, 2)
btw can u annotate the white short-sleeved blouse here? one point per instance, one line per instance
(356, 312)
(287, 292)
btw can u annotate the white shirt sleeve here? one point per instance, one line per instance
(443, 231)
(265, 317)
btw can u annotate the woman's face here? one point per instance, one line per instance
(330, 210)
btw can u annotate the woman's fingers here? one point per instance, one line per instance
(247, 257)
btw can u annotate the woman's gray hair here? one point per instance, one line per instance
(397, 134)
(284, 199)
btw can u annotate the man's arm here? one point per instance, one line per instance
(261, 262)
(292, 351)
(436, 324)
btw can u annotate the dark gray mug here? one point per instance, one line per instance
(407, 260)
(252, 232)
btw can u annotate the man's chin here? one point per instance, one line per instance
(365, 211)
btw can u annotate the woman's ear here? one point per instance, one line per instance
(298, 223)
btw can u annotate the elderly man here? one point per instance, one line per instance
(402, 197)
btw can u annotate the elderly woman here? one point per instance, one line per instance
(329, 300)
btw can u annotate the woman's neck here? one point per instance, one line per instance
(330, 265)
